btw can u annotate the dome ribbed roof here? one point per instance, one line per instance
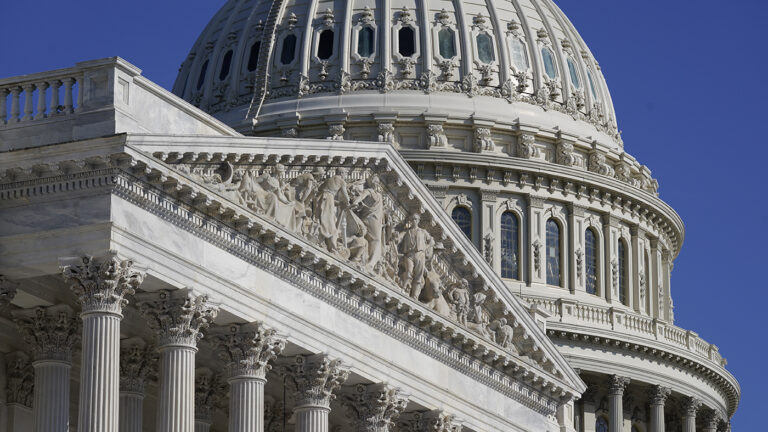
(306, 61)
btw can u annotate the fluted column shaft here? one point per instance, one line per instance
(100, 373)
(176, 404)
(50, 407)
(658, 396)
(312, 418)
(131, 412)
(202, 426)
(690, 406)
(246, 404)
(616, 388)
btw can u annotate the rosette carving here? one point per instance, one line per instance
(247, 349)
(178, 317)
(51, 331)
(102, 287)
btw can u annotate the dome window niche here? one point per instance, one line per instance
(575, 80)
(553, 253)
(622, 269)
(485, 48)
(406, 45)
(253, 57)
(510, 245)
(226, 64)
(366, 41)
(549, 63)
(447, 43)
(325, 45)
(519, 54)
(463, 218)
(591, 252)
(288, 51)
(201, 77)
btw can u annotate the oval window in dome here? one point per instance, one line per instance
(253, 57)
(549, 63)
(288, 52)
(406, 45)
(201, 77)
(325, 45)
(591, 84)
(519, 54)
(447, 43)
(225, 66)
(365, 42)
(484, 48)
(574, 74)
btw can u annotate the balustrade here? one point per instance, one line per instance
(40, 96)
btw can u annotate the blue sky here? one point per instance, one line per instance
(687, 79)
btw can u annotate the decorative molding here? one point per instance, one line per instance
(8, 291)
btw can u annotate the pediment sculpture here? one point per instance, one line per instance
(350, 213)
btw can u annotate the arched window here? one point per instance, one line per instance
(647, 272)
(226, 63)
(201, 77)
(591, 252)
(519, 54)
(447, 43)
(253, 57)
(325, 45)
(510, 246)
(575, 80)
(485, 48)
(549, 62)
(553, 253)
(463, 219)
(365, 42)
(622, 271)
(601, 425)
(289, 49)
(406, 44)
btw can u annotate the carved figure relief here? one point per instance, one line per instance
(526, 148)
(436, 135)
(484, 140)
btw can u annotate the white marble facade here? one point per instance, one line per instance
(384, 264)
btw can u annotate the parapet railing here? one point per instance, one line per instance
(40, 96)
(621, 321)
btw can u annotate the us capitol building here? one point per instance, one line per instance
(368, 215)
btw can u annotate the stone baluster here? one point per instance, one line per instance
(3, 107)
(247, 350)
(15, 96)
(207, 398)
(690, 407)
(100, 288)
(52, 332)
(178, 318)
(53, 109)
(41, 88)
(616, 386)
(316, 378)
(138, 363)
(658, 396)
(375, 407)
(68, 103)
(28, 110)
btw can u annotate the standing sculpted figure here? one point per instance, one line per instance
(460, 299)
(333, 199)
(369, 206)
(416, 247)
(305, 187)
(479, 319)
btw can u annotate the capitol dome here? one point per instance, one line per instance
(459, 66)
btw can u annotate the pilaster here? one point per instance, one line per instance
(657, 396)
(610, 246)
(656, 280)
(490, 241)
(576, 241)
(537, 241)
(375, 407)
(100, 289)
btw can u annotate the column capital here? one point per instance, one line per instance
(178, 317)
(317, 377)
(138, 363)
(375, 406)
(102, 286)
(433, 421)
(690, 405)
(51, 331)
(658, 394)
(7, 291)
(247, 348)
(208, 390)
(21, 379)
(711, 419)
(617, 384)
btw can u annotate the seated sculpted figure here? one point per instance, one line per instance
(459, 298)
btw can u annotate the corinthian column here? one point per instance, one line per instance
(616, 387)
(100, 289)
(247, 350)
(207, 387)
(19, 392)
(658, 395)
(316, 378)
(690, 407)
(52, 332)
(711, 420)
(178, 317)
(137, 364)
(375, 407)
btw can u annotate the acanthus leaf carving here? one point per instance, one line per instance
(247, 349)
(316, 377)
(138, 364)
(20, 379)
(178, 317)
(375, 407)
(51, 331)
(102, 287)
